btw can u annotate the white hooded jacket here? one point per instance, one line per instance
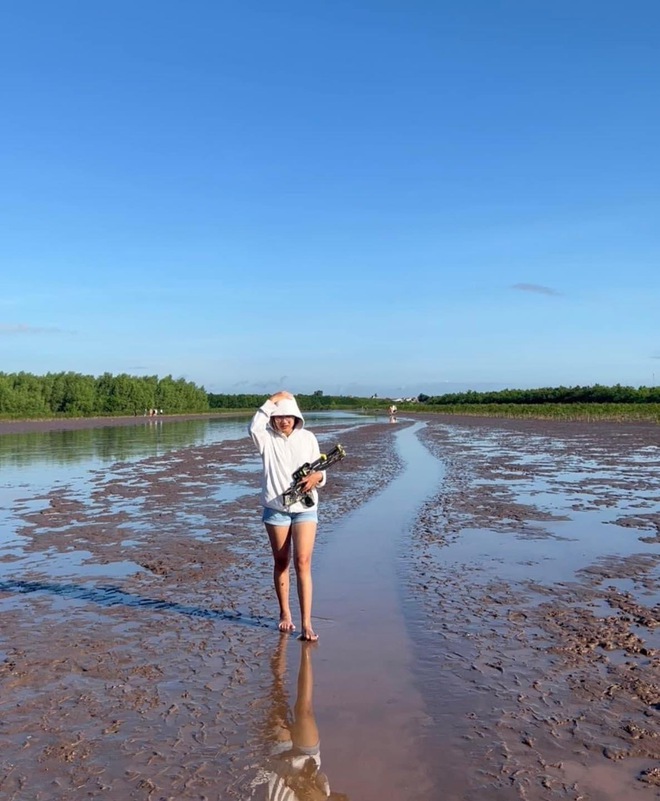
(282, 455)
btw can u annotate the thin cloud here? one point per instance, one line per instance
(538, 289)
(21, 328)
(656, 355)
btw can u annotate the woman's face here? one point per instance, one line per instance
(283, 423)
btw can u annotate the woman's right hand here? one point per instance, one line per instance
(282, 395)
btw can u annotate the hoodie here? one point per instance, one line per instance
(282, 455)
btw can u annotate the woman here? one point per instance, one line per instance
(277, 429)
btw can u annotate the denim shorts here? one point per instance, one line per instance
(276, 518)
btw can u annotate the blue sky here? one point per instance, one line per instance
(357, 197)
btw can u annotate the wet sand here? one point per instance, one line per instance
(486, 594)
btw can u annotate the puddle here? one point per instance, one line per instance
(559, 550)
(231, 492)
(72, 563)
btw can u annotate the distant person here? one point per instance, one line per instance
(392, 412)
(293, 771)
(277, 429)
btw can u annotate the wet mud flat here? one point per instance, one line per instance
(533, 581)
(138, 657)
(138, 651)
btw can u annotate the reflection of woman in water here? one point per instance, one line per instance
(293, 772)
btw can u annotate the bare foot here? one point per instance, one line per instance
(308, 635)
(286, 625)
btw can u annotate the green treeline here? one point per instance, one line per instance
(315, 402)
(578, 395)
(26, 396)
(23, 395)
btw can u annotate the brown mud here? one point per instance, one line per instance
(549, 624)
(138, 657)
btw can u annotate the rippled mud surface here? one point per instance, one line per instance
(535, 569)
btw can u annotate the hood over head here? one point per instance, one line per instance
(287, 407)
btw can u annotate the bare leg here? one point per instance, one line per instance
(280, 543)
(304, 535)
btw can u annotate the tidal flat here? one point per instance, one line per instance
(486, 593)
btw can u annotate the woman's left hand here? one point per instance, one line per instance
(312, 481)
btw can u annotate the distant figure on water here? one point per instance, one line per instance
(392, 413)
(277, 429)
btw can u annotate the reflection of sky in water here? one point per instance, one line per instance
(17, 500)
(199, 528)
(249, 465)
(566, 547)
(54, 564)
(230, 492)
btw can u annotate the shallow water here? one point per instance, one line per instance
(47, 451)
